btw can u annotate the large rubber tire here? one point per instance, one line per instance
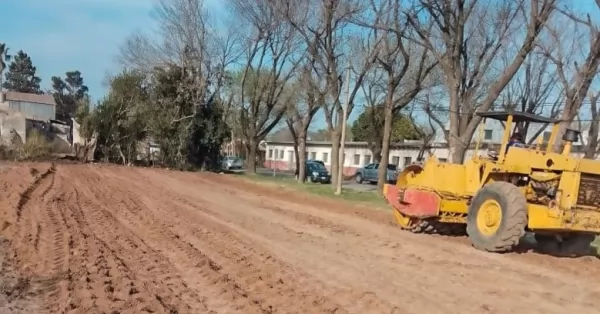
(511, 225)
(571, 245)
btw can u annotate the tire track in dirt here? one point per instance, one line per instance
(383, 240)
(107, 239)
(246, 275)
(287, 199)
(147, 266)
(356, 301)
(38, 181)
(102, 282)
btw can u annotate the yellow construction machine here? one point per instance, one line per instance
(499, 196)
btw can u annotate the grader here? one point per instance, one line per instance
(498, 197)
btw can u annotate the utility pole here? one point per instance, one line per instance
(340, 174)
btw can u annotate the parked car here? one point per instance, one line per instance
(317, 161)
(315, 171)
(231, 163)
(369, 173)
(309, 160)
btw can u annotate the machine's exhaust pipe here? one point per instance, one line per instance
(569, 138)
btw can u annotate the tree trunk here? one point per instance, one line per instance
(592, 145)
(591, 149)
(385, 148)
(457, 126)
(297, 153)
(376, 150)
(335, 157)
(301, 160)
(459, 152)
(251, 148)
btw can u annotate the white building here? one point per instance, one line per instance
(280, 155)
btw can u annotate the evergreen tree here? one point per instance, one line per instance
(68, 93)
(4, 57)
(21, 75)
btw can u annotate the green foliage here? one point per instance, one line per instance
(36, 147)
(186, 123)
(119, 119)
(4, 57)
(84, 117)
(369, 126)
(68, 93)
(21, 75)
(165, 108)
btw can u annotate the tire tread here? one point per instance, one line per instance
(514, 224)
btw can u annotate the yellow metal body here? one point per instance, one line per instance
(574, 207)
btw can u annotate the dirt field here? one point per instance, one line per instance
(107, 239)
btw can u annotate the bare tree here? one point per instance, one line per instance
(465, 40)
(301, 112)
(373, 90)
(271, 57)
(575, 78)
(534, 89)
(405, 65)
(592, 148)
(191, 50)
(323, 25)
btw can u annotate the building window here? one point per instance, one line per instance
(356, 159)
(395, 160)
(344, 160)
(270, 154)
(276, 153)
(547, 136)
(305, 155)
(281, 154)
(313, 155)
(487, 135)
(407, 161)
(325, 157)
(443, 159)
(447, 134)
(367, 159)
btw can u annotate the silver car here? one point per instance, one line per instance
(369, 173)
(232, 162)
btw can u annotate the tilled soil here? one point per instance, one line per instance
(108, 239)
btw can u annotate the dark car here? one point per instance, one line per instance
(317, 161)
(315, 171)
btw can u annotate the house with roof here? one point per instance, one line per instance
(22, 112)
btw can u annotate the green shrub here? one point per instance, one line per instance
(36, 147)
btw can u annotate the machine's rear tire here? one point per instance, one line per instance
(497, 217)
(571, 245)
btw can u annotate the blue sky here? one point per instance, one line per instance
(66, 35)
(84, 35)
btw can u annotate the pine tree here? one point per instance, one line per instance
(68, 93)
(4, 57)
(21, 75)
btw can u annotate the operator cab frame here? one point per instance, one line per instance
(511, 118)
